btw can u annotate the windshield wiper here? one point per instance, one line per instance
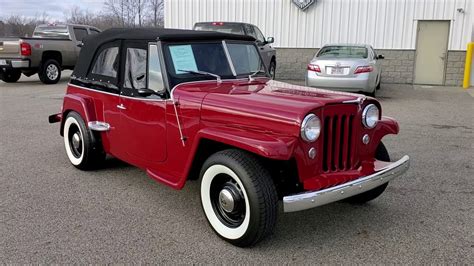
(255, 73)
(218, 78)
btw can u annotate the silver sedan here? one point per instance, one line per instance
(347, 67)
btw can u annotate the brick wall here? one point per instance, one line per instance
(397, 67)
(455, 68)
(292, 62)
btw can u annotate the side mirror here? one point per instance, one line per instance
(270, 40)
(145, 92)
(380, 56)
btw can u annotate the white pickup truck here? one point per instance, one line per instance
(51, 49)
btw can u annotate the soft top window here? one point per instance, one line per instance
(343, 52)
(106, 64)
(135, 69)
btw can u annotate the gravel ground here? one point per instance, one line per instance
(51, 212)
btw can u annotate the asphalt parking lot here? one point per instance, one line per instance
(50, 212)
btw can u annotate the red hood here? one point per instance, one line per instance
(250, 104)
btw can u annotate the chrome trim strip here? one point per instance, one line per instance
(98, 126)
(313, 199)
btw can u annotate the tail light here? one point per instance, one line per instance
(314, 68)
(25, 49)
(363, 69)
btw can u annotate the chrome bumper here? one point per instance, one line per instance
(16, 63)
(313, 199)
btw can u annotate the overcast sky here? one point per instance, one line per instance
(56, 9)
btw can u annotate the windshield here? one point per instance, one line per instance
(343, 52)
(51, 32)
(243, 60)
(220, 27)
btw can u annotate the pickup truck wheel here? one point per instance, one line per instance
(11, 75)
(82, 146)
(380, 154)
(238, 197)
(50, 72)
(272, 69)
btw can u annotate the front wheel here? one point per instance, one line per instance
(238, 197)
(10, 75)
(272, 69)
(380, 154)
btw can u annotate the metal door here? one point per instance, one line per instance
(431, 52)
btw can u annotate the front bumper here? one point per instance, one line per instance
(307, 200)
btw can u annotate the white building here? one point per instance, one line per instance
(424, 41)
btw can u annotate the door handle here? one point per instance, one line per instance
(120, 106)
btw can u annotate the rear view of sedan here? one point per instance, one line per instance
(354, 68)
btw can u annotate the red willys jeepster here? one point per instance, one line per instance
(200, 105)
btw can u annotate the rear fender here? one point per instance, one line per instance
(81, 104)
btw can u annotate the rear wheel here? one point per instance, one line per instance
(50, 72)
(382, 155)
(238, 197)
(11, 75)
(83, 147)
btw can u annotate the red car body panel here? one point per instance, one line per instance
(261, 116)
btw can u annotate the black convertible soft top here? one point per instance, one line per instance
(93, 42)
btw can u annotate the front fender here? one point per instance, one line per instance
(265, 145)
(81, 104)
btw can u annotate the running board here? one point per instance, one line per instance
(98, 126)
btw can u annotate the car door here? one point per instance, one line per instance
(376, 64)
(105, 93)
(79, 34)
(143, 120)
(265, 48)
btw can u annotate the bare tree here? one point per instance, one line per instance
(157, 7)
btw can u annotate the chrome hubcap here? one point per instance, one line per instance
(52, 72)
(76, 141)
(226, 200)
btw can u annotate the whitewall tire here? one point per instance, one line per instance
(238, 197)
(83, 147)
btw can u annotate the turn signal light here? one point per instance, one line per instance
(363, 69)
(314, 68)
(25, 49)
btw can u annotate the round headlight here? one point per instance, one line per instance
(370, 116)
(310, 128)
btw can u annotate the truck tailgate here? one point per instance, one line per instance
(9, 47)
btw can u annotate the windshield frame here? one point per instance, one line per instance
(174, 79)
